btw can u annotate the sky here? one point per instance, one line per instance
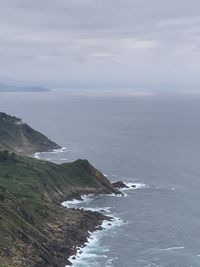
(100, 43)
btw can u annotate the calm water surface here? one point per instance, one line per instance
(149, 139)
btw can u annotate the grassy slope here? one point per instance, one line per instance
(31, 219)
(20, 137)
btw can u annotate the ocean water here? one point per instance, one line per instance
(152, 140)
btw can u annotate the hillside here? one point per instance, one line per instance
(34, 229)
(19, 137)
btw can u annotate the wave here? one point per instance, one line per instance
(102, 209)
(171, 248)
(87, 255)
(88, 198)
(74, 202)
(58, 150)
(37, 155)
(134, 186)
(94, 253)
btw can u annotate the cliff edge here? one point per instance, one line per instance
(19, 137)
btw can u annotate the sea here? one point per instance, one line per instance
(147, 139)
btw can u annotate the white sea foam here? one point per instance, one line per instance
(110, 262)
(87, 256)
(134, 186)
(73, 203)
(112, 195)
(103, 209)
(88, 253)
(37, 155)
(59, 150)
(171, 248)
(63, 159)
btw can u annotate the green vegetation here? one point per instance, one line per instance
(30, 194)
(3, 263)
(34, 229)
(19, 137)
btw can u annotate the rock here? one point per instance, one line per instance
(119, 185)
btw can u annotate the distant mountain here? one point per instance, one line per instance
(11, 88)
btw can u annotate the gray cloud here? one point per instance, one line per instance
(91, 41)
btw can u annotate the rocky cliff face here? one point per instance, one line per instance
(19, 137)
(34, 229)
(28, 240)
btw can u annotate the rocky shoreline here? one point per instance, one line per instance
(35, 230)
(82, 230)
(71, 231)
(58, 240)
(97, 221)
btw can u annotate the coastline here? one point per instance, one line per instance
(99, 221)
(92, 237)
(41, 232)
(75, 236)
(36, 155)
(87, 250)
(49, 234)
(92, 240)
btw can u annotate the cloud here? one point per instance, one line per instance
(89, 41)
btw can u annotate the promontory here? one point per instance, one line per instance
(35, 230)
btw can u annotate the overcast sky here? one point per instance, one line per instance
(122, 42)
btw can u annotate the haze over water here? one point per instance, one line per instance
(152, 139)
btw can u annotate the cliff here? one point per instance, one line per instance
(34, 229)
(19, 137)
